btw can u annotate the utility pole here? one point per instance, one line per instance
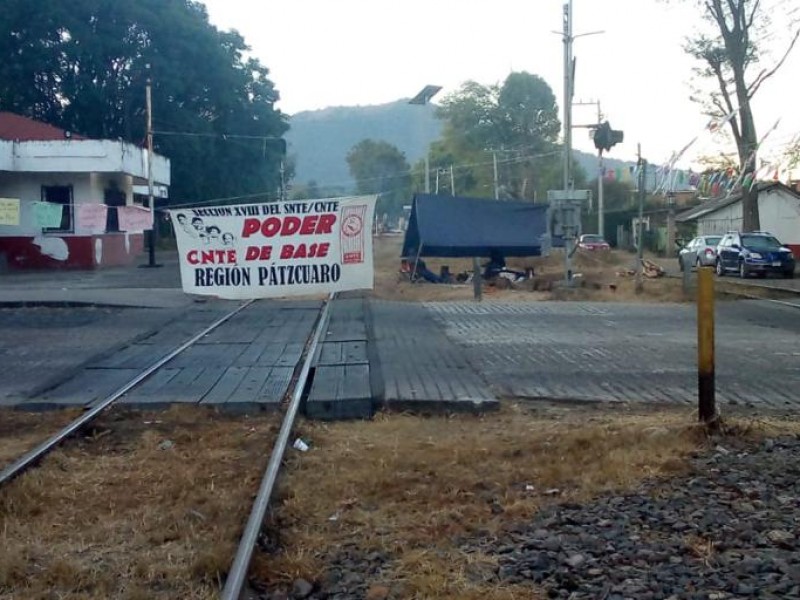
(452, 182)
(601, 225)
(568, 90)
(640, 225)
(151, 240)
(600, 168)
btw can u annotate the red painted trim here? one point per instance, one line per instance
(20, 253)
(795, 248)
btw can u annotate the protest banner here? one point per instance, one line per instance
(134, 218)
(278, 249)
(9, 211)
(91, 218)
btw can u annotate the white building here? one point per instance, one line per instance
(43, 164)
(778, 209)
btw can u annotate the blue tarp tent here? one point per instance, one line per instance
(450, 226)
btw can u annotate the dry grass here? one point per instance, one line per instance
(116, 515)
(597, 279)
(412, 487)
(21, 431)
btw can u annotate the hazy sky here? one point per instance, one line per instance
(350, 52)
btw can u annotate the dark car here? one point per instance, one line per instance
(755, 252)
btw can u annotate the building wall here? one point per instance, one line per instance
(721, 221)
(82, 156)
(780, 215)
(26, 246)
(86, 187)
(778, 210)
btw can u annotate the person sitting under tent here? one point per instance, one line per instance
(428, 275)
(496, 267)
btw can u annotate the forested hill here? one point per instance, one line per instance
(321, 139)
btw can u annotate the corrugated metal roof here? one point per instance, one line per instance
(15, 127)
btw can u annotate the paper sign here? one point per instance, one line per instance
(91, 218)
(134, 218)
(277, 249)
(47, 214)
(9, 211)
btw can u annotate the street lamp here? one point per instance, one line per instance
(422, 98)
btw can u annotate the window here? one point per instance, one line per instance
(113, 198)
(60, 194)
(712, 241)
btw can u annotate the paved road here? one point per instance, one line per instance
(628, 352)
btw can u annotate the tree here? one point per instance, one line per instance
(83, 66)
(516, 121)
(730, 57)
(380, 168)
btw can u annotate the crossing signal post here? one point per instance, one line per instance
(604, 138)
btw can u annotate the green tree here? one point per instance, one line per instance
(517, 122)
(83, 66)
(730, 56)
(380, 168)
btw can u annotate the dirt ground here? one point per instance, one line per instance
(147, 505)
(600, 276)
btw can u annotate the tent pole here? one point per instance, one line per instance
(416, 261)
(476, 278)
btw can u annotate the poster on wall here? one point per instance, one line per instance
(91, 218)
(134, 219)
(9, 211)
(278, 249)
(47, 214)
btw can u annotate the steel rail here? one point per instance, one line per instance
(30, 458)
(238, 573)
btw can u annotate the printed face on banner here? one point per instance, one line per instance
(278, 249)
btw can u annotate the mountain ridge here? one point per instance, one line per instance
(320, 140)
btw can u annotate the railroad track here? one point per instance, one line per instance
(237, 575)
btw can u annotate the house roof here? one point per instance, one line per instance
(15, 127)
(711, 206)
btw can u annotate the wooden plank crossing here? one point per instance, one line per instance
(245, 364)
(341, 385)
(420, 368)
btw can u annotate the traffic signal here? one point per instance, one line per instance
(605, 137)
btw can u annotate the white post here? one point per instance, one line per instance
(452, 182)
(427, 172)
(600, 205)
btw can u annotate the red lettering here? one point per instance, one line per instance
(309, 223)
(256, 253)
(250, 227)
(290, 225)
(271, 226)
(211, 257)
(325, 224)
(287, 251)
(322, 250)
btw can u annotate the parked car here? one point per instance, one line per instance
(700, 252)
(755, 252)
(590, 241)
